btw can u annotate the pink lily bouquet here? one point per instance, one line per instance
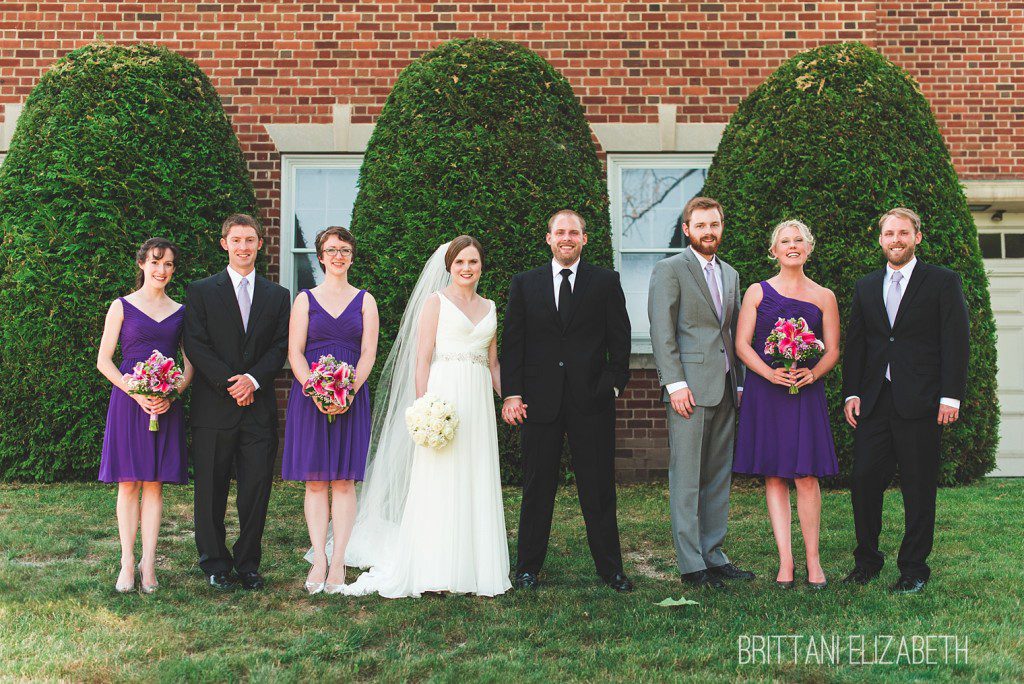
(157, 376)
(791, 341)
(330, 383)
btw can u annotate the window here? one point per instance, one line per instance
(648, 192)
(316, 191)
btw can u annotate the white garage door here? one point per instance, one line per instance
(1002, 245)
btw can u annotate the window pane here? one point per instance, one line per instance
(636, 280)
(652, 205)
(1014, 245)
(991, 247)
(323, 197)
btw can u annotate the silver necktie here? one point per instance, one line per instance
(244, 302)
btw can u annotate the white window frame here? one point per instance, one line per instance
(290, 166)
(616, 164)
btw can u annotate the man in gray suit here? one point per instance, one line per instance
(693, 306)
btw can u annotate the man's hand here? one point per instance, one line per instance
(947, 414)
(241, 390)
(513, 411)
(852, 411)
(682, 402)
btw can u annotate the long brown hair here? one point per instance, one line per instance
(158, 246)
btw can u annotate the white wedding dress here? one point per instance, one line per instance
(452, 533)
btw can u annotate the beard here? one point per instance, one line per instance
(908, 254)
(709, 248)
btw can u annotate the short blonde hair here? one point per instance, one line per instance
(805, 232)
(567, 212)
(903, 213)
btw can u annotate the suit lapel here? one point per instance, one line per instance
(877, 301)
(917, 278)
(259, 301)
(583, 274)
(696, 270)
(729, 288)
(547, 289)
(229, 300)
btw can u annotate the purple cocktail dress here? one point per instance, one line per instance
(131, 452)
(314, 448)
(782, 434)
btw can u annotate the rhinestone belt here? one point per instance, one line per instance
(466, 357)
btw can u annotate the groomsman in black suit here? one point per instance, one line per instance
(565, 357)
(904, 376)
(236, 335)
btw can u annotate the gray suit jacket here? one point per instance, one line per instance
(690, 343)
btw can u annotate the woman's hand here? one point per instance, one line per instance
(144, 402)
(803, 376)
(781, 376)
(159, 405)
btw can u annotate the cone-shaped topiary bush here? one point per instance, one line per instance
(116, 144)
(480, 137)
(836, 137)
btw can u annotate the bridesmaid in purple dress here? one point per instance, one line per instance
(782, 436)
(339, 319)
(133, 456)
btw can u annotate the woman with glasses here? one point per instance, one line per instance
(326, 447)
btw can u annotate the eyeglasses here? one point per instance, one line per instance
(338, 251)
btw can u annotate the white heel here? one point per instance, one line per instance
(335, 588)
(316, 587)
(143, 587)
(125, 587)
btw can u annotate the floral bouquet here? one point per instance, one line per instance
(157, 376)
(431, 421)
(330, 383)
(790, 341)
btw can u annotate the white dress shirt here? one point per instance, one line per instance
(236, 280)
(907, 271)
(717, 270)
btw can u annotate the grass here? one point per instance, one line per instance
(61, 619)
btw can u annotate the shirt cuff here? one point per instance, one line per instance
(512, 396)
(616, 390)
(676, 386)
(256, 384)
(852, 396)
(954, 403)
(739, 389)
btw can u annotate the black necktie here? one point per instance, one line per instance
(565, 297)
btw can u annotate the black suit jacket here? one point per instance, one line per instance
(590, 357)
(220, 348)
(926, 348)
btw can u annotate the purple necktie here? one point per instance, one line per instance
(244, 303)
(892, 304)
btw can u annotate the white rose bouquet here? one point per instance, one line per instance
(431, 421)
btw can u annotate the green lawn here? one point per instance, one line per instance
(61, 619)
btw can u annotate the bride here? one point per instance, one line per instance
(433, 520)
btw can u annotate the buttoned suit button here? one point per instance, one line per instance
(561, 364)
(892, 339)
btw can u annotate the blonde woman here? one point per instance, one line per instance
(781, 436)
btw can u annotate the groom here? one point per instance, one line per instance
(693, 307)
(565, 357)
(904, 375)
(236, 336)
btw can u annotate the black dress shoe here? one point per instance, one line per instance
(702, 578)
(731, 572)
(620, 582)
(525, 580)
(251, 580)
(221, 581)
(859, 576)
(908, 585)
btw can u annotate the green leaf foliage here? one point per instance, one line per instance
(836, 137)
(478, 137)
(116, 144)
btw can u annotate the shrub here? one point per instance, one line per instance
(480, 137)
(116, 144)
(835, 137)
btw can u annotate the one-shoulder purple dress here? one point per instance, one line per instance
(131, 453)
(782, 434)
(314, 448)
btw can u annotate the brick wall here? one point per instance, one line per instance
(289, 62)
